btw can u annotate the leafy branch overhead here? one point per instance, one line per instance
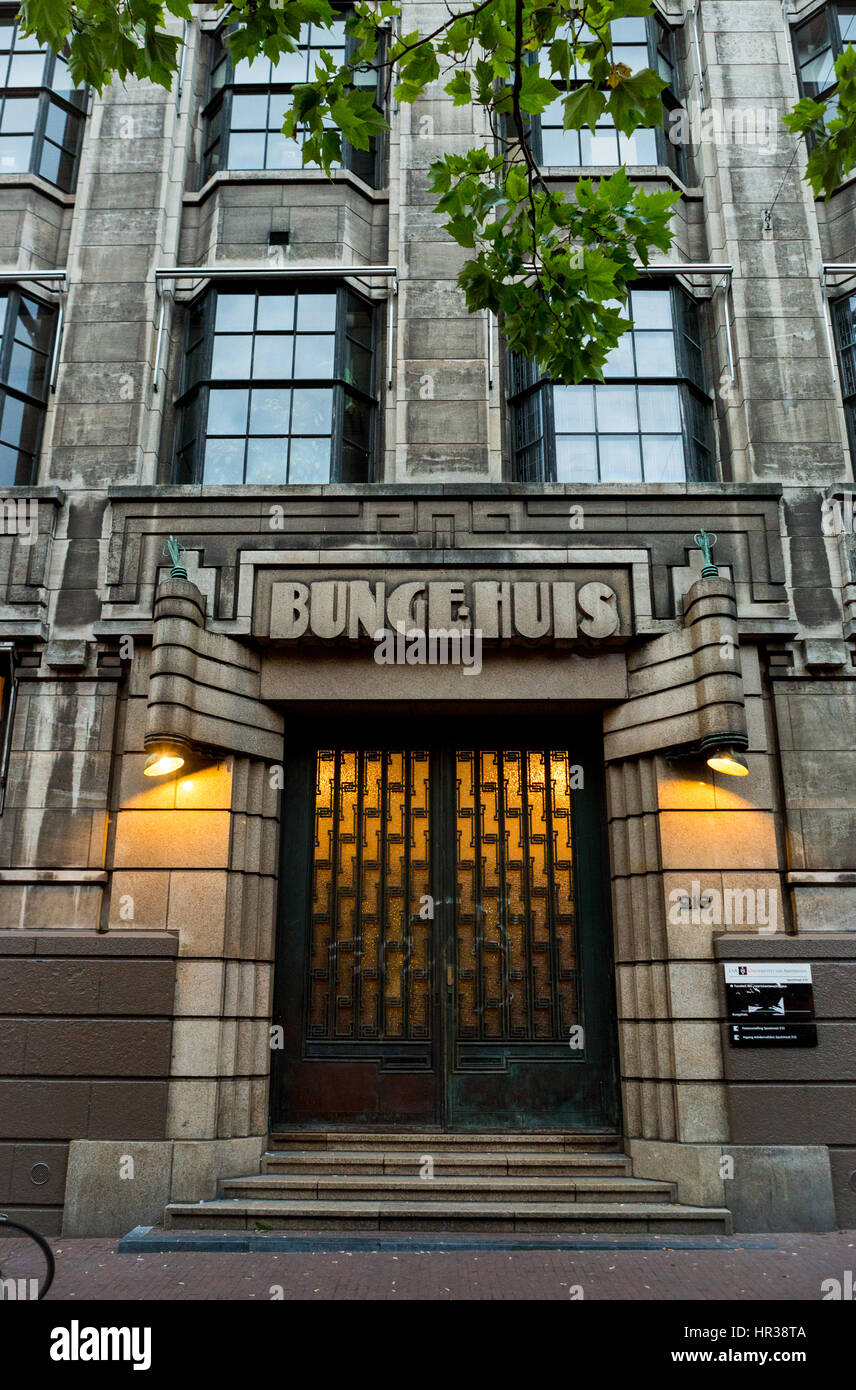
(554, 265)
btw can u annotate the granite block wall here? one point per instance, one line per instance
(100, 870)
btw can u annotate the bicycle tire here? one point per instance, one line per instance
(42, 1244)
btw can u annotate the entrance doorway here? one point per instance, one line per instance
(444, 951)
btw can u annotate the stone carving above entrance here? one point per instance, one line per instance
(553, 607)
(233, 533)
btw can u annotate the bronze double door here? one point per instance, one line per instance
(444, 945)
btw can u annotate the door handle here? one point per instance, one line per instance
(450, 976)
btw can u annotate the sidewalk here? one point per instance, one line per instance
(788, 1268)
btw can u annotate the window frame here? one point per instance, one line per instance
(669, 155)
(219, 101)
(12, 295)
(199, 390)
(536, 387)
(8, 701)
(848, 398)
(836, 45)
(46, 95)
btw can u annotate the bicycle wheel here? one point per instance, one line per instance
(26, 1262)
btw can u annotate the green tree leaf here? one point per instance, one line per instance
(583, 107)
(636, 101)
(460, 88)
(536, 92)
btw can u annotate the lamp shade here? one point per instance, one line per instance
(728, 760)
(162, 761)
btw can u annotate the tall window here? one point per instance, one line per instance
(639, 43)
(844, 318)
(25, 352)
(278, 387)
(817, 44)
(248, 100)
(41, 113)
(648, 422)
(7, 710)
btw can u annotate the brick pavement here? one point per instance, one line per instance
(793, 1270)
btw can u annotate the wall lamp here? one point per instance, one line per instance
(171, 754)
(165, 757)
(721, 752)
(724, 753)
(724, 759)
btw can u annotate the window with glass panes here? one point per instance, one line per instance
(278, 388)
(7, 709)
(248, 100)
(844, 319)
(817, 44)
(639, 43)
(41, 113)
(25, 354)
(649, 421)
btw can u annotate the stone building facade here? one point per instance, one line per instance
(153, 930)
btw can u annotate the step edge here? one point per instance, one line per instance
(650, 1210)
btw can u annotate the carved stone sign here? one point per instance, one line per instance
(503, 608)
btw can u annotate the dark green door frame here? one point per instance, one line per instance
(444, 1081)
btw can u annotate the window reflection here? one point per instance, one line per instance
(818, 43)
(287, 394)
(844, 319)
(25, 352)
(248, 100)
(648, 422)
(41, 113)
(638, 43)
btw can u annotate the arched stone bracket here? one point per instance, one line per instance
(685, 687)
(204, 688)
(678, 835)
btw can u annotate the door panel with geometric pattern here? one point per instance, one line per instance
(444, 947)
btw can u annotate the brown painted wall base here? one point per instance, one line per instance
(85, 1039)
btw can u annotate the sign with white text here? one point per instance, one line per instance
(770, 1004)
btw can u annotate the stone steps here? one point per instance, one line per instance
(448, 1163)
(436, 1141)
(583, 1218)
(458, 1188)
(545, 1183)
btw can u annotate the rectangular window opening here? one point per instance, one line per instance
(278, 387)
(649, 421)
(638, 43)
(41, 113)
(247, 102)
